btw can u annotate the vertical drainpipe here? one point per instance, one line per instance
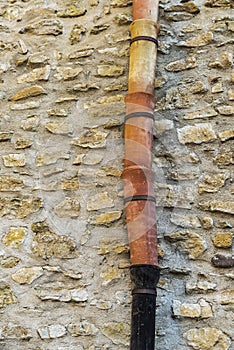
(138, 177)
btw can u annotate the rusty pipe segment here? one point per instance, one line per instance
(138, 177)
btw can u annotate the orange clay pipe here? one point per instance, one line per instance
(138, 176)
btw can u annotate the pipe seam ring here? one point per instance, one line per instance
(139, 198)
(144, 37)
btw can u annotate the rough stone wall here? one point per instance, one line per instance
(63, 247)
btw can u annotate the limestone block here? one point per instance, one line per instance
(47, 244)
(14, 160)
(107, 69)
(120, 3)
(68, 208)
(57, 113)
(76, 34)
(91, 139)
(101, 304)
(70, 184)
(219, 3)
(31, 91)
(217, 87)
(197, 41)
(49, 26)
(117, 332)
(9, 183)
(227, 297)
(185, 221)
(223, 239)
(5, 136)
(181, 65)
(188, 6)
(174, 196)
(67, 73)
(200, 287)
(15, 237)
(30, 124)
(107, 246)
(106, 218)
(207, 338)
(222, 206)
(9, 261)
(36, 74)
(231, 95)
(207, 222)
(22, 143)
(110, 275)
(201, 309)
(19, 207)
(72, 11)
(224, 61)
(202, 113)
(27, 275)
(6, 295)
(80, 53)
(225, 157)
(225, 110)
(59, 128)
(26, 105)
(212, 183)
(123, 18)
(38, 58)
(84, 328)
(99, 28)
(51, 332)
(14, 331)
(199, 133)
(100, 201)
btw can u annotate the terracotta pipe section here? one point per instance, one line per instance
(138, 177)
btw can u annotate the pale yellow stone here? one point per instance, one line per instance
(225, 60)
(72, 11)
(68, 208)
(181, 65)
(212, 183)
(223, 206)
(100, 201)
(15, 237)
(119, 333)
(28, 92)
(226, 135)
(26, 105)
(67, 73)
(218, 87)
(36, 74)
(227, 297)
(110, 275)
(207, 338)
(111, 246)
(226, 110)
(107, 218)
(70, 184)
(91, 139)
(27, 275)
(199, 40)
(202, 132)
(223, 239)
(109, 70)
(6, 295)
(231, 94)
(59, 128)
(8, 183)
(14, 160)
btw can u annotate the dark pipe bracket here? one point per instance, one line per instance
(144, 37)
(139, 198)
(139, 114)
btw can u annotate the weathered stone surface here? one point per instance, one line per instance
(107, 109)
(27, 275)
(8, 183)
(231, 94)
(19, 207)
(101, 304)
(112, 246)
(106, 69)
(200, 287)
(58, 292)
(67, 73)
(50, 158)
(99, 28)
(203, 113)
(202, 309)
(207, 338)
(14, 160)
(190, 242)
(84, 328)
(226, 135)
(72, 11)
(15, 237)
(180, 65)
(22, 143)
(37, 74)
(106, 218)
(70, 184)
(30, 124)
(47, 244)
(117, 332)
(121, 3)
(76, 34)
(52, 331)
(100, 201)
(225, 60)
(227, 297)
(48, 26)
(212, 183)
(225, 110)
(38, 58)
(197, 41)
(225, 157)
(219, 3)
(5, 136)
(199, 133)
(6, 295)
(123, 18)
(207, 222)
(26, 105)
(223, 239)
(31, 91)
(185, 221)
(68, 208)
(85, 52)
(188, 6)
(225, 206)
(91, 139)
(14, 331)
(9, 261)
(173, 196)
(221, 260)
(217, 87)
(59, 128)
(111, 275)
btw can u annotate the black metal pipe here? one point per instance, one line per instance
(144, 279)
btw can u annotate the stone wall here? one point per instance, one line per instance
(63, 247)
